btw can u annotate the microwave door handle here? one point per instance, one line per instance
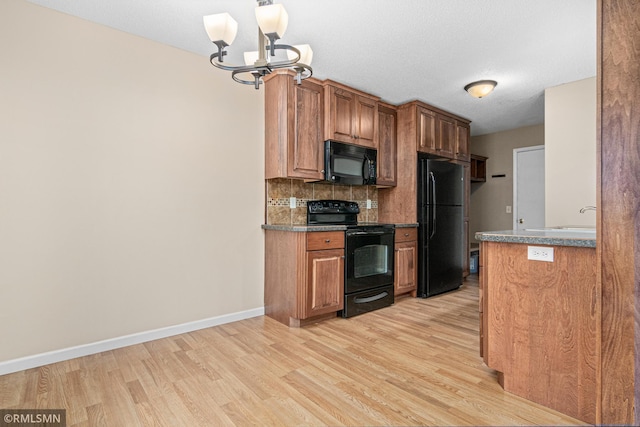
(365, 168)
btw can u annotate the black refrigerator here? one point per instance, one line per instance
(440, 226)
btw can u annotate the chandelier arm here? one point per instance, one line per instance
(303, 71)
(280, 64)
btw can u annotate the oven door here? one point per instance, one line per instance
(368, 259)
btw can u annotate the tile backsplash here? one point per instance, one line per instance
(279, 191)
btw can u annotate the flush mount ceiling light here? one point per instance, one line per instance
(481, 88)
(272, 23)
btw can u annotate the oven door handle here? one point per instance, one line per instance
(371, 298)
(369, 233)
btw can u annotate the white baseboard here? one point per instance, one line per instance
(42, 359)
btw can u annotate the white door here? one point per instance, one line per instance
(528, 187)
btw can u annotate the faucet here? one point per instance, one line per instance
(587, 208)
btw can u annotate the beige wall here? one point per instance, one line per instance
(490, 199)
(570, 153)
(131, 185)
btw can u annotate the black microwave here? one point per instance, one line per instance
(349, 164)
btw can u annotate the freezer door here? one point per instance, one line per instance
(444, 183)
(440, 251)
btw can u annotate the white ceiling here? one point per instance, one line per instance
(399, 50)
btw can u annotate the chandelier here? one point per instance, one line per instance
(272, 23)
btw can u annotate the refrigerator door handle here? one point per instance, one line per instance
(433, 205)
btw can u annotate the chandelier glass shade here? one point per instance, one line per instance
(272, 24)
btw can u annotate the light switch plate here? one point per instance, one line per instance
(540, 253)
(508, 209)
(292, 202)
(368, 204)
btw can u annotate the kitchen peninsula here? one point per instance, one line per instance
(540, 315)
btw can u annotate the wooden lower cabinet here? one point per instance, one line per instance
(539, 325)
(324, 291)
(304, 275)
(406, 261)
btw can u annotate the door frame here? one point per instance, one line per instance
(514, 210)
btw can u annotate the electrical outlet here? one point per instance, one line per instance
(368, 204)
(292, 202)
(540, 253)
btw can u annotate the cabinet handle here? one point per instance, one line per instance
(327, 241)
(406, 234)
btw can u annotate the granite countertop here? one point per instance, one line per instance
(311, 228)
(552, 236)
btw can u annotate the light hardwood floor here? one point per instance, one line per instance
(415, 363)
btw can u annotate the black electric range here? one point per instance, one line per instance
(369, 248)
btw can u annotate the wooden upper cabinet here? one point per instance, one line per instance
(294, 127)
(387, 145)
(426, 130)
(351, 116)
(478, 166)
(439, 133)
(446, 136)
(462, 141)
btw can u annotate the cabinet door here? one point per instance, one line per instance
(350, 117)
(406, 262)
(446, 136)
(340, 122)
(387, 146)
(294, 128)
(462, 142)
(427, 131)
(366, 119)
(324, 291)
(306, 150)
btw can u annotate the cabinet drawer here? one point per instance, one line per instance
(325, 240)
(406, 234)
